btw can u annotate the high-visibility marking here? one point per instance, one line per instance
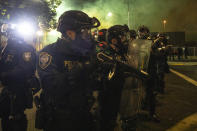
(184, 77)
(183, 63)
(177, 64)
(187, 124)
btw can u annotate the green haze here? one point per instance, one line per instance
(180, 14)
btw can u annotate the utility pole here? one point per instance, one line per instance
(128, 13)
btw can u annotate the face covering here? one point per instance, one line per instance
(83, 45)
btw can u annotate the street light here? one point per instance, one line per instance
(109, 14)
(164, 24)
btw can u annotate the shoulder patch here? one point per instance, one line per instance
(44, 60)
(27, 56)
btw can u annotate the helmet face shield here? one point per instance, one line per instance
(76, 20)
(124, 38)
(85, 31)
(85, 34)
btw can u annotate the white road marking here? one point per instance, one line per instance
(187, 124)
(184, 77)
(183, 63)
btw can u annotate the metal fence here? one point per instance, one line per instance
(178, 53)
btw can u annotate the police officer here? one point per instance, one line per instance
(143, 32)
(150, 98)
(66, 69)
(17, 67)
(110, 101)
(118, 37)
(162, 67)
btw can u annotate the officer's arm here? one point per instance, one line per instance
(25, 67)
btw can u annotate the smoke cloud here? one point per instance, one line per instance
(179, 14)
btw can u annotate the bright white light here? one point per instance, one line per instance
(109, 14)
(39, 33)
(13, 26)
(53, 32)
(25, 29)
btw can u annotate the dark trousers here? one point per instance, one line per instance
(160, 84)
(17, 124)
(61, 120)
(151, 96)
(110, 105)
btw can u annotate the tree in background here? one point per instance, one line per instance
(40, 12)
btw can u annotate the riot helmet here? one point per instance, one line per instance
(118, 38)
(119, 32)
(77, 21)
(78, 24)
(6, 29)
(143, 32)
(10, 31)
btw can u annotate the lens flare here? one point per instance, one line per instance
(25, 29)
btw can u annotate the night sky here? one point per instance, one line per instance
(181, 15)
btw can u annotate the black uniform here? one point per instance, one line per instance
(150, 97)
(17, 66)
(161, 65)
(67, 77)
(157, 68)
(111, 95)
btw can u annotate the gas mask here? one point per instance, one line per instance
(83, 43)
